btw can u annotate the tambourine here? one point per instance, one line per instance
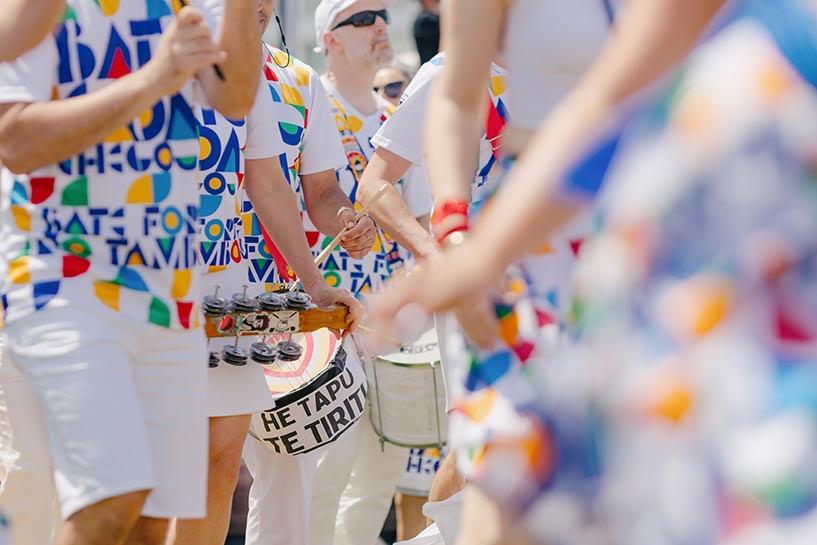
(270, 313)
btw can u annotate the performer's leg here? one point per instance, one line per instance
(124, 412)
(331, 477)
(227, 434)
(279, 496)
(483, 522)
(410, 518)
(447, 481)
(27, 493)
(365, 501)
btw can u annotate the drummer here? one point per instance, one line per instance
(399, 145)
(226, 214)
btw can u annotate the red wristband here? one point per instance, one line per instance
(444, 220)
(449, 207)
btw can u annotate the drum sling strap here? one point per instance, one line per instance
(357, 164)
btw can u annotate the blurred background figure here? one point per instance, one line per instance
(427, 30)
(390, 82)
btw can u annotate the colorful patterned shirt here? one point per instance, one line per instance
(115, 225)
(223, 205)
(311, 145)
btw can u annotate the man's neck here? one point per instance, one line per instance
(354, 84)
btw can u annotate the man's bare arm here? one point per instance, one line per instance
(391, 212)
(33, 135)
(25, 23)
(239, 37)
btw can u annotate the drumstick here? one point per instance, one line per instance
(395, 342)
(362, 212)
(216, 67)
(335, 241)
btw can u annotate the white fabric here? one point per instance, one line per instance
(328, 10)
(548, 46)
(125, 408)
(417, 192)
(447, 514)
(403, 133)
(353, 488)
(148, 164)
(429, 536)
(232, 389)
(27, 492)
(279, 495)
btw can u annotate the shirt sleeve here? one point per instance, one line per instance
(263, 139)
(321, 149)
(416, 192)
(402, 133)
(31, 77)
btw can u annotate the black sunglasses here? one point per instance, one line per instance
(364, 18)
(393, 89)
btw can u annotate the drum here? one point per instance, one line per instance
(421, 467)
(408, 405)
(318, 397)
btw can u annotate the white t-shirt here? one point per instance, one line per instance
(403, 133)
(301, 117)
(548, 46)
(363, 275)
(223, 207)
(116, 224)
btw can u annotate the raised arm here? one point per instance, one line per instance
(650, 37)
(391, 213)
(36, 134)
(25, 23)
(238, 35)
(471, 32)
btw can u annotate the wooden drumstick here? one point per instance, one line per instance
(389, 338)
(362, 212)
(335, 241)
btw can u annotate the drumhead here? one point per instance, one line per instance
(319, 347)
(425, 351)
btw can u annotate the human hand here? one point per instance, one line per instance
(326, 296)
(452, 282)
(186, 46)
(360, 238)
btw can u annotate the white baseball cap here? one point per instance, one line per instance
(326, 13)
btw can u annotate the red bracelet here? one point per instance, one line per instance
(444, 220)
(449, 207)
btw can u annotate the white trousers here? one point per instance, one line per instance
(279, 495)
(353, 488)
(27, 491)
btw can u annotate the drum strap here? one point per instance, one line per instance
(357, 164)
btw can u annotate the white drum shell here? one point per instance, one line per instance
(408, 395)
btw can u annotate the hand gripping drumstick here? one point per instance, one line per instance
(335, 241)
(362, 212)
(216, 67)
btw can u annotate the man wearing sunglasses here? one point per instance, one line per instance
(353, 35)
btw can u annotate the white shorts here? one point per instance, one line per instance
(231, 389)
(27, 493)
(124, 407)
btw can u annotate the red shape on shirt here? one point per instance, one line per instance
(185, 310)
(41, 189)
(119, 66)
(73, 265)
(576, 245)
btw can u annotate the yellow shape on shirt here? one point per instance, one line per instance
(18, 271)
